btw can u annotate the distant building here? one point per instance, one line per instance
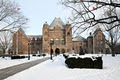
(35, 44)
(20, 42)
(99, 45)
(61, 34)
(78, 42)
(90, 43)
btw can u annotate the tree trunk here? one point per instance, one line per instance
(3, 54)
(113, 53)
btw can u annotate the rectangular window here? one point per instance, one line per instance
(63, 42)
(57, 42)
(52, 41)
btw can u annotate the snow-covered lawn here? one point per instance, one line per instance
(7, 62)
(56, 70)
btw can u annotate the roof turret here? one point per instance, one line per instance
(45, 24)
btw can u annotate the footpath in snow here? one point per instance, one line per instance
(8, 62)
(57, 70)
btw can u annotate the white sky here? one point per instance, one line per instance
(40, 11)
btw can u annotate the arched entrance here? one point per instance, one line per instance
(57, 51)
(63, 51)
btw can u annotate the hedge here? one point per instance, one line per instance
(73, 62)
(18, 57)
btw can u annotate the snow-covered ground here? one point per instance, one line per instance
(7, 62)
(56, 70)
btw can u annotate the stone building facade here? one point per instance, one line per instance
(61, 34)
(20, 42)
(96, 42)
(90, 44)
(78, 42)
(99, 45)
(35, 44)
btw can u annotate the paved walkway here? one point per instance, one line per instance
(6, 72)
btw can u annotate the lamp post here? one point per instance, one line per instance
(51, 50)
(29, 50)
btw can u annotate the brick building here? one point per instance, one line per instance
(23, 42)
(90, 43)
(20, 42)
(35, 44)
(78, 42)
(61, 34)
(96, 42)
(99, 45)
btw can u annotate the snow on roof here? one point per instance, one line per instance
(21, 30)
(57, 21)
(79, 38)
(35, 36)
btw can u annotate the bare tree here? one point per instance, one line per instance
(114, 37)
(113, 34)
(11, 19)
(10, 16)
(5, 41)
(88, 14)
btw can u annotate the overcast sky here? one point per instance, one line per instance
(40, 11)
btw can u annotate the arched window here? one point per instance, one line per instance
(63, 51)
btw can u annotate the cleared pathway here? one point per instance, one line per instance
(6, 72)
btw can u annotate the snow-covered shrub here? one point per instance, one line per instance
(74, 55)
(65, 56)
(34, 55)
(17, 57)
(98, 63)
(87, 62)
(43, 55)
(38, 55)
(71, 62)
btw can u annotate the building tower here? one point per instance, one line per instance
(45, 41)
(68, 37)
(99, 45)
(20, 42)
(90, 43)
(60, 34)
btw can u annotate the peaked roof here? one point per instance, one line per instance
(79, 38)
(21, 30)
(96, 31)
(57, 21)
